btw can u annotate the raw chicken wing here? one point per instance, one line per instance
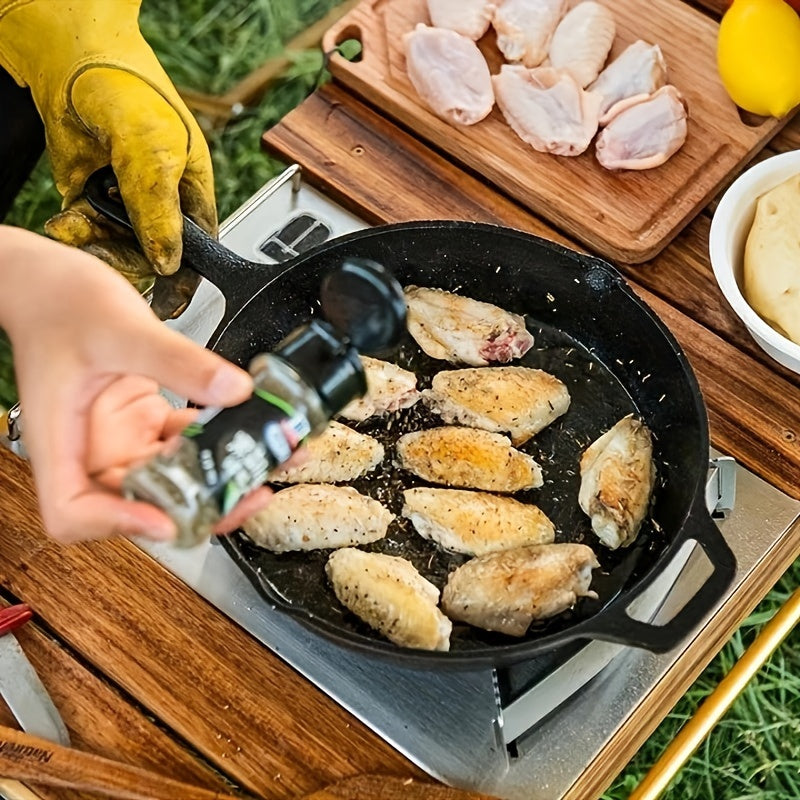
(639, 70)
(470, 18)
(644, 132)
(390, 596)
(469, 459)
(516, 400)
(463, 330)
(506, 591)
(449, 74)
(617, 477)
(338, 454)
(389, 388)
(315, 516)
(547, 108)
(475, 523)
(582, 41)
(524, 28)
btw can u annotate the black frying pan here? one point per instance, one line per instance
(590, 330)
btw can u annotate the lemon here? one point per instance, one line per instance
(758, 56)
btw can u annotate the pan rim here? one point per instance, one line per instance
(512, 652)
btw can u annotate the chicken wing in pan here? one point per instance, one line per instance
(506, 591)
(475, 523)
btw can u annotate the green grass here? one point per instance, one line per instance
(754, 752)
(209, 45)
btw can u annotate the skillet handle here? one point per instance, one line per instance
(614, 624)
(237, 278)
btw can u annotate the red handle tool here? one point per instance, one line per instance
(14, 617)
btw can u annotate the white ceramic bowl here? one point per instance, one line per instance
(729, 228)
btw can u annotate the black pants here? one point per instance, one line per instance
(21, 139)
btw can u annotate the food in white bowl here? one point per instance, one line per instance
(732, 223)
(772, 258)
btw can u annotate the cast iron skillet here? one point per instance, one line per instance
(590, 330)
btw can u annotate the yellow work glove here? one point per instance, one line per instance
(105, 99)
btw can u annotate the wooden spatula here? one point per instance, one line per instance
(28, 758)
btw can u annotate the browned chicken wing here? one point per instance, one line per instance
(317, 516)
(389, 388)
(475, 523)
(338, 454)
(469, 459)
(390, 596)
(617, 478)
(506, 591)
(516, 400)
(462, 330)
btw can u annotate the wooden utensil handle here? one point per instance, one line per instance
(14, 790)
(26, 757)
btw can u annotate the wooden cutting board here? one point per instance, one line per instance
(628, 216)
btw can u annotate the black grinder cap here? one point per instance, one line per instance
(366, 313)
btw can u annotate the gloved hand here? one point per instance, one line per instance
(105, 99)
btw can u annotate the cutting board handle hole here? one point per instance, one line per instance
(750, 119)
(349, 43)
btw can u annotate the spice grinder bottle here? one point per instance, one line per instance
(298, 387)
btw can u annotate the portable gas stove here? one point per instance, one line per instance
(523, 733)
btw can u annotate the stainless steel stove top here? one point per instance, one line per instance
(523, 734)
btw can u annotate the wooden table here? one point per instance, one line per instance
(145, 671)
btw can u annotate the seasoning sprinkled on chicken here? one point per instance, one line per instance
(338, 454)
(317, 516)
(390, 595)
(465, 331)
(468, 458)
(617, 478)
(506, 591)
(389, 388)
(516, 400)
(475, 523)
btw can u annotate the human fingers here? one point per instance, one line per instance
(184, 367)
(73, 506)
(110, 471)
(101, 514)
(296, 459)
(129, 423)
(178, 420)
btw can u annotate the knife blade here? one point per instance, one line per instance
(26, 695)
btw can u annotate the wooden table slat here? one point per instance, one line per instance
(249, 713)
(110, 725)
